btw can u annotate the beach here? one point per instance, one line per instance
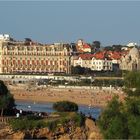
(90, 97)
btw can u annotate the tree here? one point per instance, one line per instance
(77, 70)
(134, 127)
(3, 103)
(96, 46)
(132, 80)
(81, 70)
(112, 121)
(65, 106)
(122, 120)
(108, 48)
(28, 41)
(6, 99)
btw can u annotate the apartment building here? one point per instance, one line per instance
(92, 61)
(21, 57)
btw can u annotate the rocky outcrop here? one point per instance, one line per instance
(90, 131)
(16, 135)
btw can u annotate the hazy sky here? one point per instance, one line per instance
(111, 22)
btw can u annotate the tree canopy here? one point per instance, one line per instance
(6, 99)
(80, 70)
(65, 106)
(121, 120)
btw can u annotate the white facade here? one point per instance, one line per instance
(4, 37)
(94, 64)
(115, 61)
(82, 62)
(87, 50)
(101, 65)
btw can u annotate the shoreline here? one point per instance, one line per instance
(45, 102)
(88, 97)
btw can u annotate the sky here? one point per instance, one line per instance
(110, 22)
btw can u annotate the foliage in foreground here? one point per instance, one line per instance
(76, 119)
(27, 123)
(6, 99)
(65, 106)
(112, 121)
(122, 120)
(30, 122)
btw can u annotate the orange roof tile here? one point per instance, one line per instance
(86, 56)
(86, 46)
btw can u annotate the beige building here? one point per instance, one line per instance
(83, 47)
(83, 60)
(101, 65)
(130, 61)
(18, 57)
(90, 61)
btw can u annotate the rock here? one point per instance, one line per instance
(17, 135)
(89, 131)
(65, 137)
(93, 131)
(94, 136)
(42, 133)
(79, 134)
(90, 125)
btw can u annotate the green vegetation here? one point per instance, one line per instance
(27, 122)
(122, 120)
(6, 99)
(78, 70)
(107, 83)
(89, 82)
(116, 72)
(66, 117)
(132, 80)
(112, 122)
(71, 119)
(65, 106)
(31, 122)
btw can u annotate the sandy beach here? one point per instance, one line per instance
(83, 96)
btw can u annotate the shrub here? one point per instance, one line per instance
(113, 122)
(65, 106)
(79, 119)
(52, 125)
(25, 123)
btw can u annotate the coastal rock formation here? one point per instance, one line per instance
(89, 131)
(92, 129)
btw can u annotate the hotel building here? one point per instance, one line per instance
(21, 57)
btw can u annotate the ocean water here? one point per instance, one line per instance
(47, 107)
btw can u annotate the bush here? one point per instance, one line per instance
(65, 106)
(52, 125)
(113, 121)
(79, 119)
(25, 123)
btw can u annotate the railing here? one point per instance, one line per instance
(5, 119)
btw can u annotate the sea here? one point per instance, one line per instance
(94, 112)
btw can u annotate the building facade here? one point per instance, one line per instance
(130, 61)
(90, 61)
(101, 65)
(16, 57)
(83, 47)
